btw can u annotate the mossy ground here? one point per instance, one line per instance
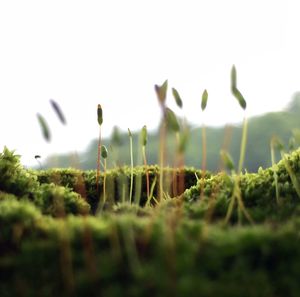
(56, 239)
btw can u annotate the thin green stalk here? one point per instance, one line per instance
(104, 183)
(131, 165)
(161, 159)
(243, 145)
(151, 191)
(230, 208)
(98, 161)
(236, 196)
(242, 209)
(274, 167)
(176, 164)
(161, 92)
(147, 173)
(236, 192)
(203, 171)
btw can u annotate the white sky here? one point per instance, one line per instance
(81, 53)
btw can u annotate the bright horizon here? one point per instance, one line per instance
(82, 53)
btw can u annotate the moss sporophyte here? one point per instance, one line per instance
(100, 121)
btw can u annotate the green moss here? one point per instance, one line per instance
(189, 258)
(14, 178)
(258, 193)
(59, 201)
(117, 183)
(177, 246)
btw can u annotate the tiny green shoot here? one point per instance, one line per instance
(131, 165)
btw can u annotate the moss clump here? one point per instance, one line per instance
(19, 183)
(150, 255)
(58, 201)
(167, 247)
(14, 178)
(257, 190)
(117, 182)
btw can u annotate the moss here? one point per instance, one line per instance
(117, 183)
(176, 246)
(189, 259)
(59, 201)
(14, 178)
(257, 189)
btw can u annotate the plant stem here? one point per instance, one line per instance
(98, 161)
(104, 183)
(203, 159)
(176, 165)
(131, 164)
(161, 157)
(274, 170)
(243, 145)
(147, 173)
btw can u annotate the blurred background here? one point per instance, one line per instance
(84, 53)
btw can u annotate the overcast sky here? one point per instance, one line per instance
(81, 53)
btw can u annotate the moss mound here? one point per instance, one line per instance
(56, 239)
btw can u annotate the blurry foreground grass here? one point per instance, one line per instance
(54, 241)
